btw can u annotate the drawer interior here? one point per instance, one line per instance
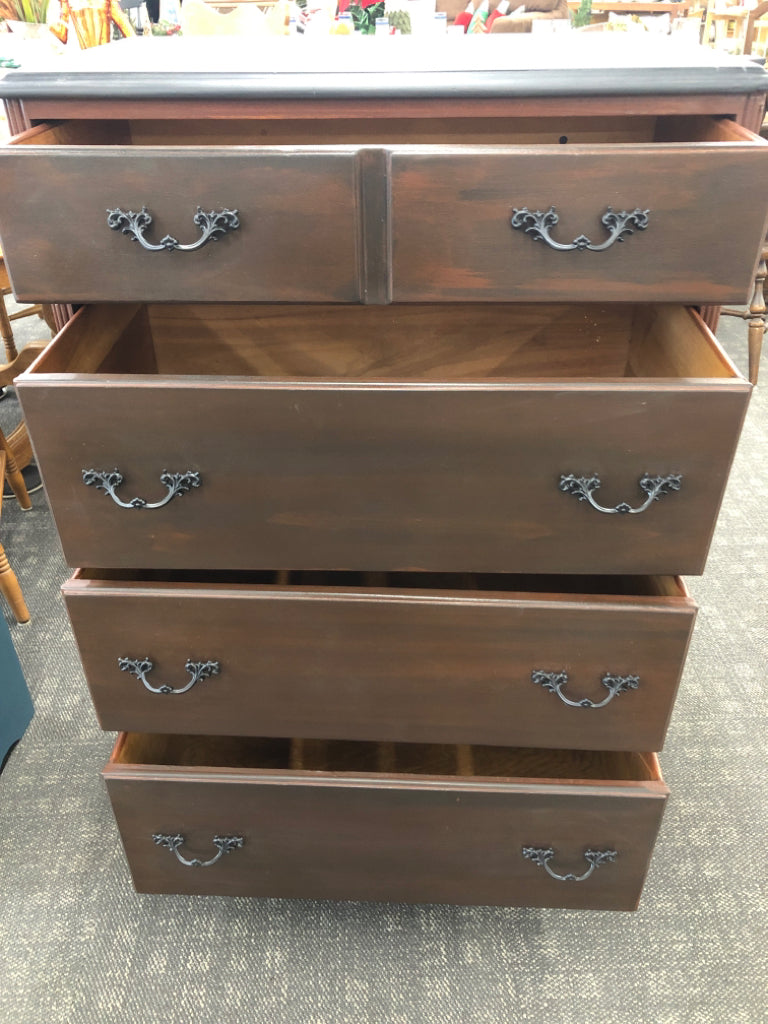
(383, 131)
(418, 343)
(343, 756)
(438, 582)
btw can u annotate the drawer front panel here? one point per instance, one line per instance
(438, 843)
(296, 240)
(409, 477)
(453, 239)
(382, 664)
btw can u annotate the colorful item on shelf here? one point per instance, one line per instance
(479, 18)
(92, 21)
(463, 19)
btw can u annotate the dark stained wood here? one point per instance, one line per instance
(389, 130)
(380, 437)
(375, 242)
(297, 238)
(316, 221)
(382, 662)
(452, 237)
(462, 108)
(397, 469)
(353, 834)
(14, 112)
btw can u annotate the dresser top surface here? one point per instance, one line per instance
(408, 67)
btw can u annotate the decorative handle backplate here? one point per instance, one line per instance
(108, 481)
(556, 682)
(141, 667)
(224, 844)
(582, 487)
(542, 855)
(213, 224)
(538, 224)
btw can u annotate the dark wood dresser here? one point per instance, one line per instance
(388, 420)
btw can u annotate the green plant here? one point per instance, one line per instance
(34, 11)
(583, 15)
(364, 15)
(401, 20)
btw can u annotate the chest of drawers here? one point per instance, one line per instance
(377, 445)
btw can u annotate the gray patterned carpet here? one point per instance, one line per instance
(78, 946)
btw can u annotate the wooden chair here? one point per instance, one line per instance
(732, 27)
(16, 448)
(755, 315)
(9, 585)
(755, 14)
(6, 330)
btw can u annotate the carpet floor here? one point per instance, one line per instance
(79, 946)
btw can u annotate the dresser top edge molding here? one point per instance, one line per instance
(400, 68)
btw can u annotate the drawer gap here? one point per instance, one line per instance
(265, 133)
(453, 345)
(353, 756)
(630, 586)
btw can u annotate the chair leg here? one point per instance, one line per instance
(10, 589)
(757, 324)
(14, 477)
(46, 312)
(755, 341)
(6, 332)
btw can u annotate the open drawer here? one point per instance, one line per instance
(401, 822)
(583, 662)
(501, 438)
(284, 211)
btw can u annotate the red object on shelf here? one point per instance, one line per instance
(465, 17)
(500, 11)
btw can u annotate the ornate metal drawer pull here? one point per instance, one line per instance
(141, 667)
(543, 855)
(224, 844)
(212, 224)
(556, 682)
(538, 224)
(108, 481)
(654, 486)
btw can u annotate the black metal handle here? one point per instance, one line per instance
(538, 223)
(582, 487)
(224, 844)
(212, 223)
(108, 481)
(542, 855)
(556, 682)
(141, 667)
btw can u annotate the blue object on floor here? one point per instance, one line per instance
(16, 707)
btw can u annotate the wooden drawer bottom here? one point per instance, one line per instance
(398, 822)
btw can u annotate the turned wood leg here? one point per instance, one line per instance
(757, 325)
(755, 315)
(756, 333)
(9, 586)
(6, 332)
(14, 477)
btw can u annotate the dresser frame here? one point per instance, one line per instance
(495, 81)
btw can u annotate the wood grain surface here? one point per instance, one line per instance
(452, 238)
(317, 218)
(356, 834)
(383, 465)
(420, 659)
(297, 240)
